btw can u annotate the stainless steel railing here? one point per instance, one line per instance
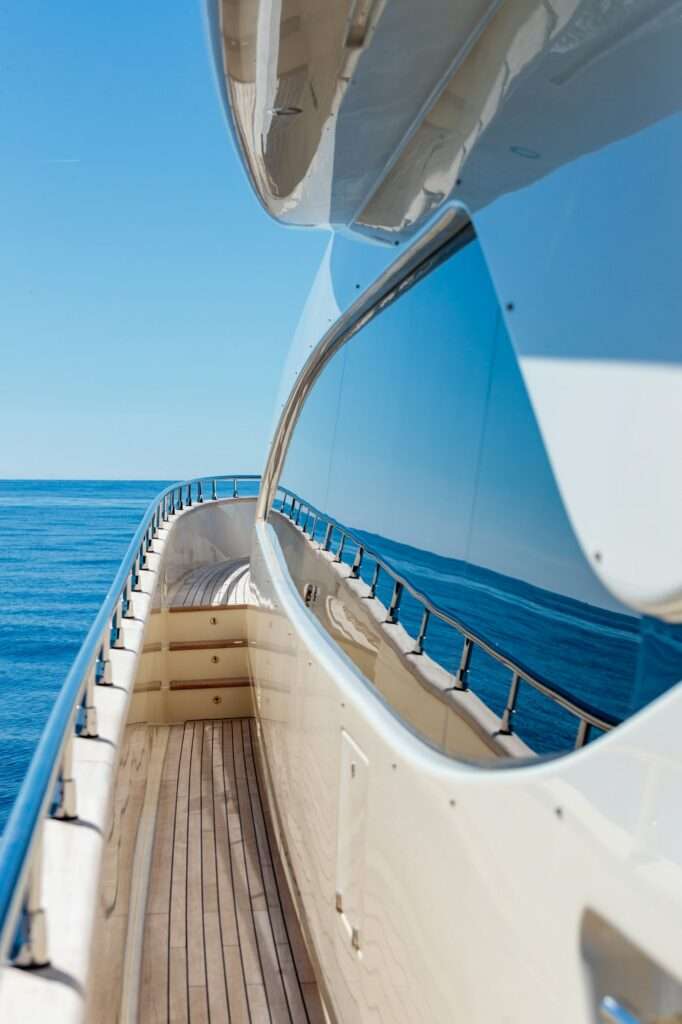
(49, 787)
(335, 538)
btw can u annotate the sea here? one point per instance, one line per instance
(61, 542)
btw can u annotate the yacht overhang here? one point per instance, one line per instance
(371, 114)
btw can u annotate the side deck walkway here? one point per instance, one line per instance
(222, 942)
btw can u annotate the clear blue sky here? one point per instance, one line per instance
(146, 301)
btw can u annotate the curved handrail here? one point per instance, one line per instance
(37, 791)
(587, 715)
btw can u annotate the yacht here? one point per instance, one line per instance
(388, 730)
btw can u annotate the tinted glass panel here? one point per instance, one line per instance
(420, 437)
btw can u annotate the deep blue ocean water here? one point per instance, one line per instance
(60, 545)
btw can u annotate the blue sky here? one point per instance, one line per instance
(146, 301)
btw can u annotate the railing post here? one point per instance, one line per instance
(328, 537)
(214, 490)
(200, 493)
(144, 548)
(89, 729)
(189, 495)
(135, 574)
(421, 635)
(126, 608)
(235, 488)
(394, 606)
(298, 513)
(116, 624)
(291, 510)
(357, 562)
(312, 532)
(65, 808)
(305, 521)
(506, 726)
(339, 551)
(375, 580)
(583, 734)
(179, 506)
(104, 676)
(32, 951)
(462, 674)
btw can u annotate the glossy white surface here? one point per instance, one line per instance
(618, 466)
(474, 883)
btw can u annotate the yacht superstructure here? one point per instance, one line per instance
(391, 732)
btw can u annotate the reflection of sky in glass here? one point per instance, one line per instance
(422, 429)
(420, 434)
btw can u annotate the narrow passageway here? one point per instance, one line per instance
(222, 942)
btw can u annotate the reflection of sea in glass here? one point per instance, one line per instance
(420, 437)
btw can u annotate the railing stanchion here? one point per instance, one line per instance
(200, 493)
(235, 487)
(392, 616)
(65, 807)
(117, 624)
(328, 537)
(105, 677)
(506, 726)
(339, 551)
(305, 521)
(144, 548)
(89, 729)
(375, 580)
(314, 527)
(583, 734)
(357, 562)
(135, 574)
(462, 674)
(421, 635)
(32, 951)
(214, 490)
(189, 495)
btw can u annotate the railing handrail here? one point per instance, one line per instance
(36, 792)
(587, 714)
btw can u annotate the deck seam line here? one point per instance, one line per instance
(226, 722)
(172, 868)
(215, 857)
(268, 821)
(244, 724)
(189, 794)
(201, 865)
(246, 870)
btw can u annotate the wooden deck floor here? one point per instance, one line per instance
(222, 942)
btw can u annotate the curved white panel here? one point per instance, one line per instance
(478, 887)
(612, 430)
